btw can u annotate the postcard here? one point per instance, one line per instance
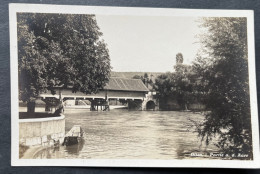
(132, 87)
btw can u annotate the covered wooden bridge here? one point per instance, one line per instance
(133, 92)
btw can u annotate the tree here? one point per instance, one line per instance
(60, 50)
(222, 66)
(171, 86)
(145, 79)
(164, 87)
(145, 75)
(183, 86)
(179, 58)
(176, 85)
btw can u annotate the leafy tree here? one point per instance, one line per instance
(222, 66)
(164, 87)
(145, 79)
(172, 86)
(176, 85)
(183, 85)
(60, 50)
(145, 75)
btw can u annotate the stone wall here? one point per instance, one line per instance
(172, 104)
(41, 131)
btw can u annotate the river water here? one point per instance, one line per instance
(123, 134)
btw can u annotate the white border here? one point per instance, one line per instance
(71, 9)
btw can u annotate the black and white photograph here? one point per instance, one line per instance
(136, 87)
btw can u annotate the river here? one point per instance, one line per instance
(123, 134)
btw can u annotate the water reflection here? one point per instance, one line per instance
(60, 152)
(49, 153)
(76, 148)
(121, 134)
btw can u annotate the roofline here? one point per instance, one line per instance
(123, 78)
(59, 87)
(125, 90)
(147, 90)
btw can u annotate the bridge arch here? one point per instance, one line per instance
(150, 105)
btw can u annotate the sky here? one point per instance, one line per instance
(148, 43)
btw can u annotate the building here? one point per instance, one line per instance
(131, 92)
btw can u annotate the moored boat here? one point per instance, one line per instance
(74, 136)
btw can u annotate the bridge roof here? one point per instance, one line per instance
(122, 84)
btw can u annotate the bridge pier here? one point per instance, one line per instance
(48, 107)
(134, 104)
(104, 105)
(151, 104)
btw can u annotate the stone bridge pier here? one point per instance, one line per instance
(147, 104)
(150, 103)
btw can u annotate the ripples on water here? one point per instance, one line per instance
(122, 134)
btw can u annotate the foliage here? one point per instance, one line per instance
(176, 85)
(145, 75)
(164, 85)
(182, 82)
(170, 86)
(179, 58)
(60, 50)
(222, 66)
(145, 79)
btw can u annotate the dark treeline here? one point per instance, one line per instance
(219, 79)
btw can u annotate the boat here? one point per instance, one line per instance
(74, 136)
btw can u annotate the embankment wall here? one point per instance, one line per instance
(41, 131)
